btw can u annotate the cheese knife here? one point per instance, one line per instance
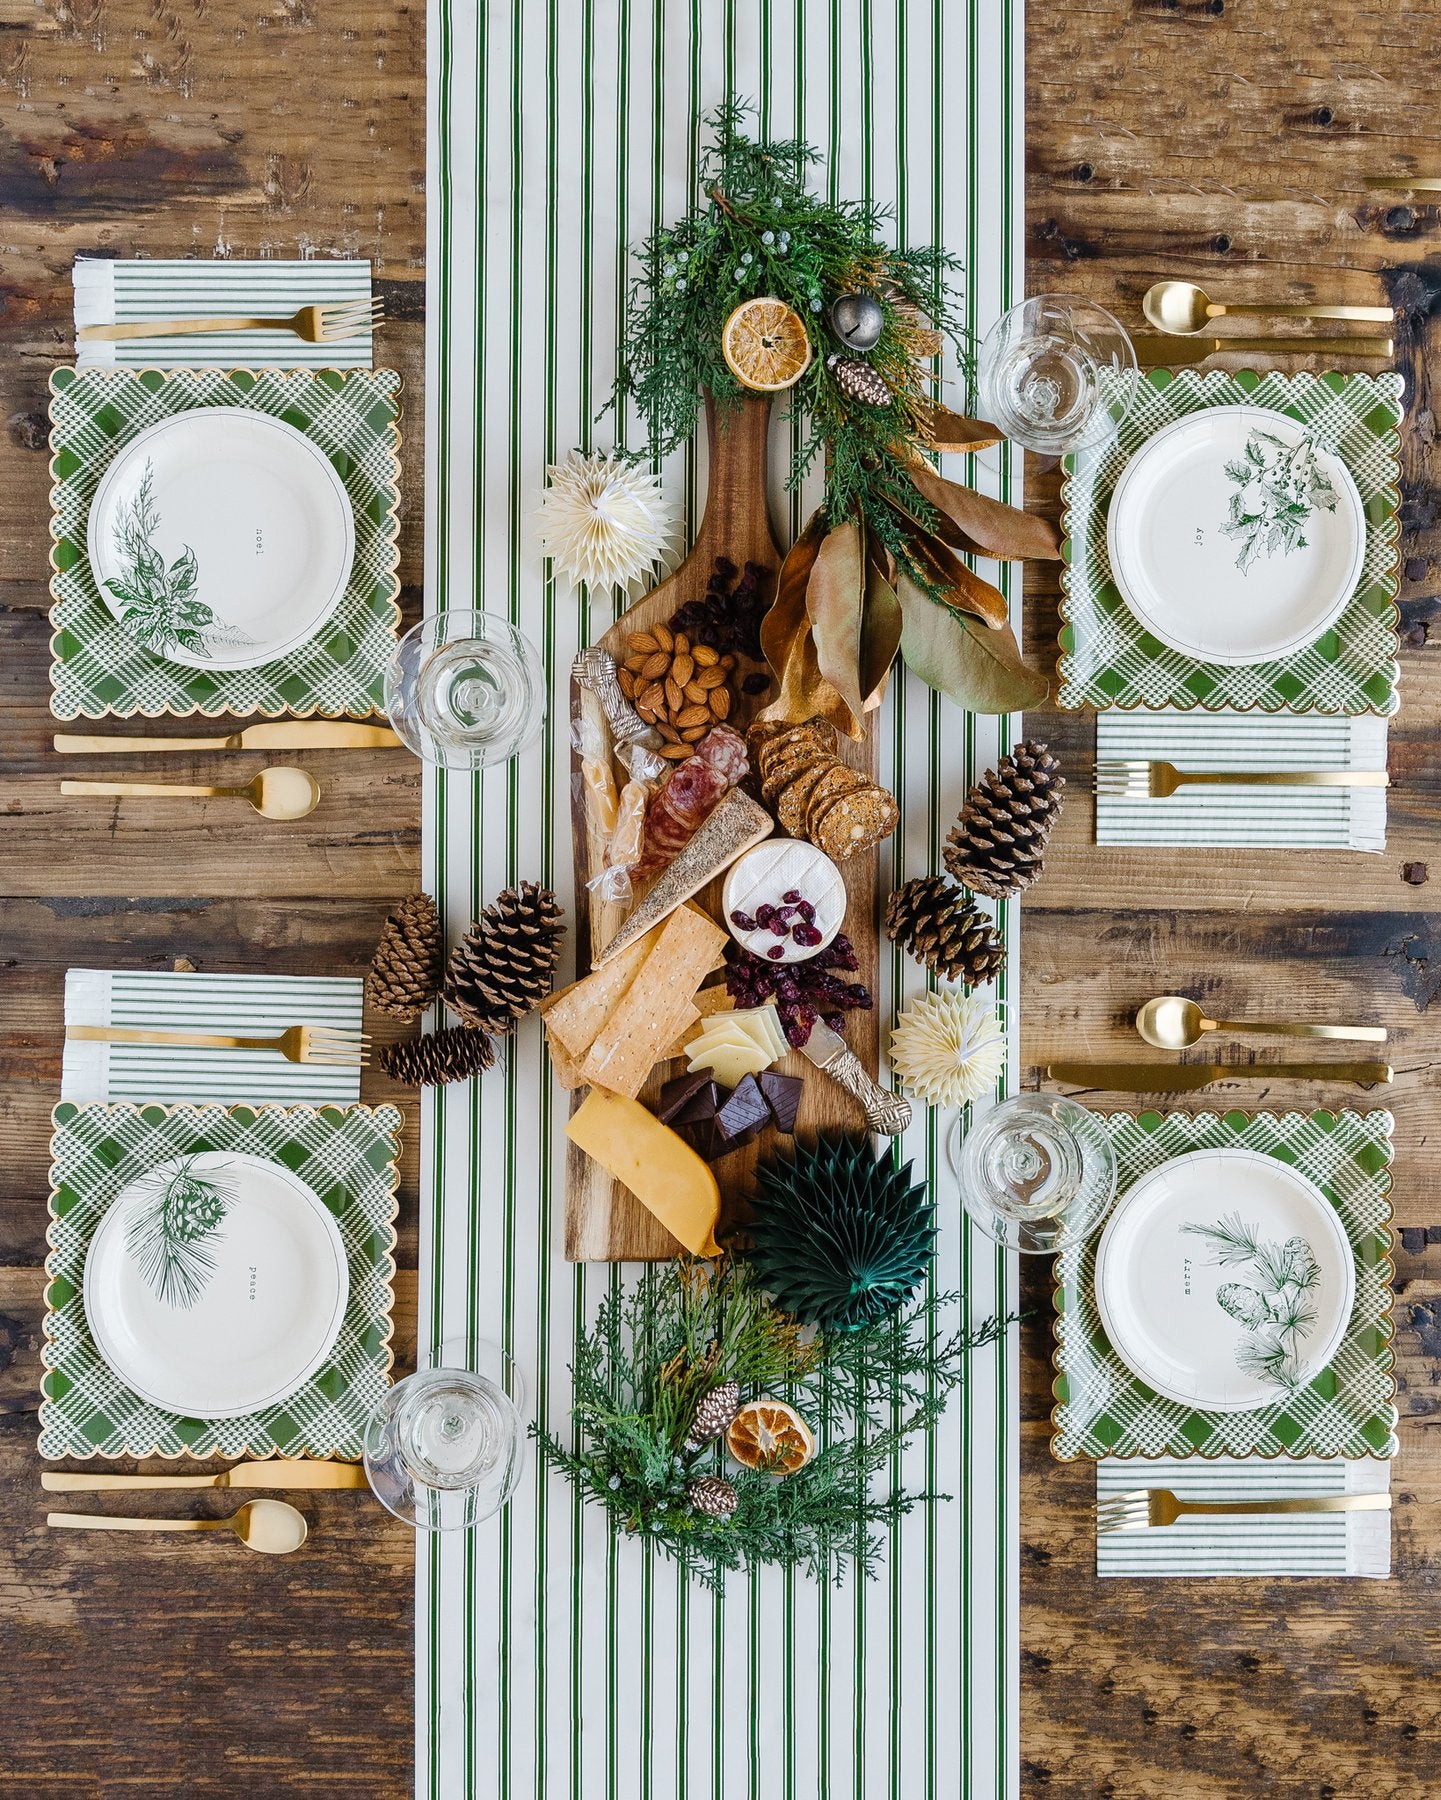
(885, 1112)
(1182, 1078)
(284, 734)
(264, 1472)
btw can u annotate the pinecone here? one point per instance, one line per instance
(714, 1496)
(454, 1054)
(996, 845)
(409, 960)
(714, 1413)
(941, 927)
(502, 968)
(859, 381)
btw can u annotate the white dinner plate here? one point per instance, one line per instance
(1224, 1279)
(1235, 537)
(221, 538)
(216, 1284)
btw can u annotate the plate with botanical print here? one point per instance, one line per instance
(221, 538)
(1224, 1280)
(216, 1284)
(1235, 536)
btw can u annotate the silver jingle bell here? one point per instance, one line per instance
(856, 320)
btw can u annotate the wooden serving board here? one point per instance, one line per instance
(604, 1222)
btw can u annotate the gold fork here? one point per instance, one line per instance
(1159, 780)
(298, 1044)
(1143, 1507)
(327, 324)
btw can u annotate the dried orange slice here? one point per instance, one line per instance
(768, 1434)
(765, 344)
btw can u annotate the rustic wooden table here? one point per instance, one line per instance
(1176, 138)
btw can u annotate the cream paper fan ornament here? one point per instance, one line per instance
(948, 1048)
(604, 520)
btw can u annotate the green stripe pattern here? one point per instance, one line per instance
(553, 1659)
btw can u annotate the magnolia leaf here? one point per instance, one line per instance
(786, 615)
(881, 627)
(960, 586)
(835, 604)
(984, 526)
(942, 429)
(980, 669)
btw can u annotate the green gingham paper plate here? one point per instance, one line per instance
(1102, 1409)
(99, 669)
(1109, 659)
(346, 1154)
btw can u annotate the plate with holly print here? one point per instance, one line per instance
(1236, 536)
(221, 538)
(216, 1284)
(1225, 1279)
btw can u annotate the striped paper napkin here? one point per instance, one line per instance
(1326, 1544)
(1273, 818)
(238, 1005)
(117, 292)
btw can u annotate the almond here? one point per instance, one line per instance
(674, 698)
(647, 711)
(654, 667)
(693, 715)
(681, 645)
(676, 752)
(704, 656)
(694, 733)
(694, 692)
(668, 732)
(642, 643)
(713, 677)
(665, 638)
(653, 695)
(719, 701)
(682, 668)
(627, 683)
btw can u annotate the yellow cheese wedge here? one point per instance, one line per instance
(630, 1143)
(731, 1063)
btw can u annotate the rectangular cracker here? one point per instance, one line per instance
(657, 1005)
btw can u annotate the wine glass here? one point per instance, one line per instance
(465, 689)
(446, 1446)
(1037, 1173)
(1040, 372)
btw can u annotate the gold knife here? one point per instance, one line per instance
(264, 1472)
(1162, 352)
(285, 734)
(1181, 1078)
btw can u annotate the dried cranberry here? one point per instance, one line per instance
(807, 912)
(743, 921)
(792, 897)
(805, 935)
(755, 684)
(764, 914)
(776, 952)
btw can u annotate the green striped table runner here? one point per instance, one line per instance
(553, 1659)
(1271, 818)
(1324, 1544)
(121, 290)
(237, 1005)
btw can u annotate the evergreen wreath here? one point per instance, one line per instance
(897, 532)
(644, 1368)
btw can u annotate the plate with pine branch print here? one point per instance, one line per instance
(221, 538)
(1225, 1280)
(216, 1284)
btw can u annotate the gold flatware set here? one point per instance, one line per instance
(280, 793)
(1180, 310)
(320, 1044)
(271, 1526)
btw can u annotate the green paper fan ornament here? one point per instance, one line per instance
(838, 1237)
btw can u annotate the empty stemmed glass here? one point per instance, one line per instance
(1041, 374)
(1036, 1173)
(465, 689)
(446, 1446)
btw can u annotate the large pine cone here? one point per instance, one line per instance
(503, 966)
(454, 1054)
(941, 927)
(996, 845)
(409, 960)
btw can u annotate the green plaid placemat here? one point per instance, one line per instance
(1107, 656)
(1102, 1409)
(346, 1154)
(99, 669)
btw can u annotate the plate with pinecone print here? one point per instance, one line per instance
(216, 1284)
(221, 538)
(1236, 535)
(1225, 1279)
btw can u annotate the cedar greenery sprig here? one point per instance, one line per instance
(654, 1352)
(760, 231)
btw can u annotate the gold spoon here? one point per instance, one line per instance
(1182, 309)
(1171, 1023)
(274, 793)
(272, 1526)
